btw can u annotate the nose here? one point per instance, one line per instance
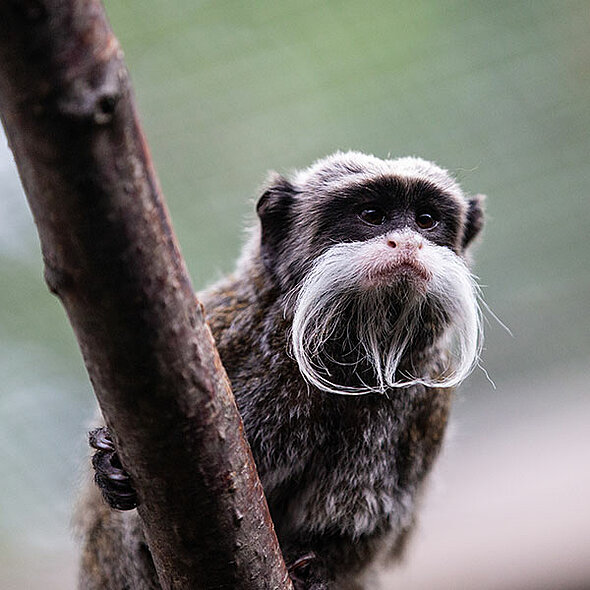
(408, 242)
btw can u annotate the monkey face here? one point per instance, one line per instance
(355, 197)
(372, 253)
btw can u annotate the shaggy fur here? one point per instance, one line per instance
(324, 303)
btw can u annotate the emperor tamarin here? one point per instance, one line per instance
(350, 318)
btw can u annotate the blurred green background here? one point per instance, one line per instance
(497, 92)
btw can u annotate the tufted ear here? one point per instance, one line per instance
(475, 219)
(274, 210)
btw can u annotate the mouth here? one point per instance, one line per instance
(397, 271)
(412, 268)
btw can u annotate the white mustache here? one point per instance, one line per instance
(334, 299)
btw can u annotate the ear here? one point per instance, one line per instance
(274, 210)
(276, 198)
(474, 220)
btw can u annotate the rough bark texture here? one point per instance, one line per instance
(111, 257)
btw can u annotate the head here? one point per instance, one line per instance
(372, 254)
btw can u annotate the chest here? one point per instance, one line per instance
(351, 463)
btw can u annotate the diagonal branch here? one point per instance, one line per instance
(112, 258)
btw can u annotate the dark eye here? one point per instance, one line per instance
(426, 220)
(372, 216)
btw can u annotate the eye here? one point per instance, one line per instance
(426, 220)
(372, 215)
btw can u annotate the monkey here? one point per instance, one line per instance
(350, 319)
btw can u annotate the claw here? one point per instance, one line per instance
(296, 569)
(302, 561)
(100, 439)
(109, 474)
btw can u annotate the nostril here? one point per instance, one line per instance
(391, 244)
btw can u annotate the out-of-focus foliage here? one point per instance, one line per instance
(498, 92)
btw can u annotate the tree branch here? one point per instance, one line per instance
(112, 258)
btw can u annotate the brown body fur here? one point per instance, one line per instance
(308, 439)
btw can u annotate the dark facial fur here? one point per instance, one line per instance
(342, 474)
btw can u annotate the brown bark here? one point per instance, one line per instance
(112, 258)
